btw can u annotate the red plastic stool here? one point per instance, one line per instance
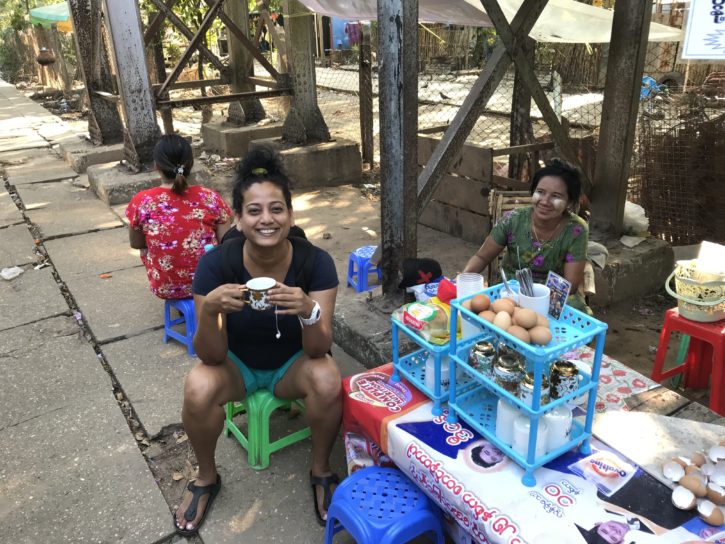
(706, 356)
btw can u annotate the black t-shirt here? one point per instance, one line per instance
(252, 333)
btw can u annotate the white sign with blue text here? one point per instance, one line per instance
(705, 31)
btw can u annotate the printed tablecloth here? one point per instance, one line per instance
(577, 499)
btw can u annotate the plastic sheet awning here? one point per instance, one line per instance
(54, 14)
(563, 21)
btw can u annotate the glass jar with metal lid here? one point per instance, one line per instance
(526, 389)
(508, 371)
(564, 378)
(482, 357)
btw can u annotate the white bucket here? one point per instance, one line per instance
(700, 294)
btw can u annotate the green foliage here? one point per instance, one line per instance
(11, 65)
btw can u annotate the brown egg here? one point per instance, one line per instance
(542, 321)
(466, 304)
(502, 305)
(716, 494)
(540, 336)
(509, 299)
(694, 483)
(698, 458)
(502, 320)
(479, 303)
(710, 513)
(488, 315)
(693, 469)
(525, 318)
(520, 333)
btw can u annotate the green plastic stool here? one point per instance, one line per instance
(259, 407)
(676, 381)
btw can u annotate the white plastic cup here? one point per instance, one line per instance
(539, 302)
(506, 413)
(522, 427)
(468, 283)
(559, 423)
(430, 375)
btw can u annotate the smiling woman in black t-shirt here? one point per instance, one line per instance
(285, 350)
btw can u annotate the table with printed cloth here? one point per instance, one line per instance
(602, 497)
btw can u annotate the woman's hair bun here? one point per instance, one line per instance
(261, 161)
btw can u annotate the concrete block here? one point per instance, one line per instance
(318, 165)
(114, 183)
(93, 253)
(120, 306)
(62, 208)
(17, 246)
(9, 212)
(40, 168)
(154, 382)
(66, 444)
(233, 141)
(31, 285)
(470, 226)
(633, 272)
(79, 153)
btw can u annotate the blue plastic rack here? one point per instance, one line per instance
(477, 404)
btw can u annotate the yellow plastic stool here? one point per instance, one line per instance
(259, 407)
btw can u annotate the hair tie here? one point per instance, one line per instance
(180, 170)
(259, 171)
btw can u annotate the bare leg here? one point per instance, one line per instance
(207, 389)
(318, 382)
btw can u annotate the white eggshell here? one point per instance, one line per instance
(707, 469)
(716, 453)
(673, 471)
(683, 498)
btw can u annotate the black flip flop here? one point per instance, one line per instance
(325, 482)
(196, 493)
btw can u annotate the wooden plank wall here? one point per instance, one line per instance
(458, 207)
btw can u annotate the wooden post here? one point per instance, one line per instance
(398, 96)
(141, 131)
(521, 131)
(167, 116)
(366, 96)
(241, 62)
(304, 123)
(104, 121)
(630, 29)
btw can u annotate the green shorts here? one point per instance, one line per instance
(262, 379)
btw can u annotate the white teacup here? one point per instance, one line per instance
(256, 293)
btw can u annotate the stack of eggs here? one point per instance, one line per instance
(527, 325)
(701, 483)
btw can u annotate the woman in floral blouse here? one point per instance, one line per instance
(173, 222)
(546, 236)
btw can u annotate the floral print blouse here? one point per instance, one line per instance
(177, 227)
(513, 231)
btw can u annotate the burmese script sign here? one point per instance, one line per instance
(705, 31)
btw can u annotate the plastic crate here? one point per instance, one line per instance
(477, 405)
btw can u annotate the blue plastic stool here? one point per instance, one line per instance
(358, 268)
(382, 506)
(185, 306)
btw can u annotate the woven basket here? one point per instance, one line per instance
(700, 296)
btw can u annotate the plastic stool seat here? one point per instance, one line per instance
(185, 306)
(705, 358)
(259, 407)
(359, 266)
(382, 506)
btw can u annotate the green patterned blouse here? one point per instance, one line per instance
(513, 232)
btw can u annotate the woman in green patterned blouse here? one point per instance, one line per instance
(546, 236)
